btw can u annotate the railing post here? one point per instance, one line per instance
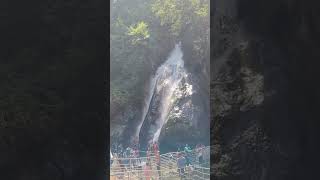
(203, 173)
(130, 168)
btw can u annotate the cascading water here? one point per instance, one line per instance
(160, 97)
(146, 104)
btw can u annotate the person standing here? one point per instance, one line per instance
(149, 157)
(201, 157)
(147, 171)
(157, 156)
(111, 159)
(199, 152)
(188, 151)
(181, 163)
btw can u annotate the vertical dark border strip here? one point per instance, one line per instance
(81, 146)
(107, 99)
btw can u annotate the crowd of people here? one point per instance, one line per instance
(186, 156)
(129, 157)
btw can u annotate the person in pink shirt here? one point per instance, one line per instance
(147, 171)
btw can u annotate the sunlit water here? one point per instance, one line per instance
(162, 93)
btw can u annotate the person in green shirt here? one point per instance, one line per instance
(188, 151)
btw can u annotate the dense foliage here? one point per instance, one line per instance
(177, 14)
(139, 32)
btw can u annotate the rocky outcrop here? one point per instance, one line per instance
(192, 126)
(188, 121)
(124, 120)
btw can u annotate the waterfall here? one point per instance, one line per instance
(160, 97)
(146, 104)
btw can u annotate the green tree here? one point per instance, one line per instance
(139, 32)
(178, 14)
(170, 14)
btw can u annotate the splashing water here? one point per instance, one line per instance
(160, 97)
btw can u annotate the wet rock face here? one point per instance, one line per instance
(188, 117)
(263, 123)
(122, 124)
(126, 118)
(179, 103)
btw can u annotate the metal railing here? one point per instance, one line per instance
(165, 169)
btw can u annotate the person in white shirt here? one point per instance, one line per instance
(111, 158)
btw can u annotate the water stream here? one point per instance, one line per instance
(161, 95)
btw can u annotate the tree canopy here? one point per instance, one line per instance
(139, 32)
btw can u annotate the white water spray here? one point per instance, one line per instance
(163, 84)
